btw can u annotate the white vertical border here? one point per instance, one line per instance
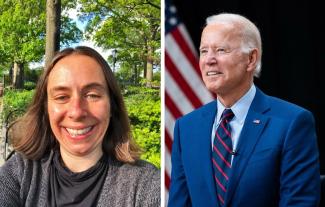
(162, 104)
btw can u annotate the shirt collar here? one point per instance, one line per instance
(241, 107)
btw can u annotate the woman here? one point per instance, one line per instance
(74, 143)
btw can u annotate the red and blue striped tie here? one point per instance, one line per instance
(221, 154)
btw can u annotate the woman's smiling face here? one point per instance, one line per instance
(78, 105)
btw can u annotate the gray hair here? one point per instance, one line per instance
(251, 37)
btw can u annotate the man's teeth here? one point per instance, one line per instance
(213, 73)
(77, 132)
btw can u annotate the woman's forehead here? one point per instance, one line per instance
(76, 70)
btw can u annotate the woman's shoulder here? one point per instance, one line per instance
(141, 179)
(140, 173)
(19, 164)
(17, 175)
(138, 169)
(14, 166)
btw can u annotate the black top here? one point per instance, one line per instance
(75, 189)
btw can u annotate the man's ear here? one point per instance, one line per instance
(252, 59)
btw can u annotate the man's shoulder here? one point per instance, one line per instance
(283, 108)
(284, 105)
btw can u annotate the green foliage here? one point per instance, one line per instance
(157, 76)
(128, 73)
(143, 106)
(69, 32)
(29, 85)
(32, 75)
(16, 101)
(130, 26)
(4, 66)
(23, 29)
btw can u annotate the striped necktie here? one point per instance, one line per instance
(221, 154)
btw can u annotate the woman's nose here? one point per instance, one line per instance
(77, 109)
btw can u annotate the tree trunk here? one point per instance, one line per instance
(149, 74)
(18, 76)
(11, 74)
(53, 15)
(135, 72)
(145, 69)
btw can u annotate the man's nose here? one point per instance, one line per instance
(77, 109)
(211, 57)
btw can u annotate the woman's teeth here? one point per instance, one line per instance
(78, 132)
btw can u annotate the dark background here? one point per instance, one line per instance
(293, 38)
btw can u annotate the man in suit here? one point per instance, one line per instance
(262, 153)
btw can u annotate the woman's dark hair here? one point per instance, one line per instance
(35, 137)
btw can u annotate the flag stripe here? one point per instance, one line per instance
(169, 122)
(167, 180)
(181, 82)
(186, 70)
(168, 164)
(188, 40)
(171, 106)
(177, 95)
(186, 50)
(168, 141)
(184, 88)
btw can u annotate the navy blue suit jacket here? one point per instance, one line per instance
(276, 162)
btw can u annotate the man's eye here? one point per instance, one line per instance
(221, 50)
(203, 51)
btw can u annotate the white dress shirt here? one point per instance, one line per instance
(240, 110)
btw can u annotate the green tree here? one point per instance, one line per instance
(22, 34)
(53, 20)
(143, 106)
(130, 26)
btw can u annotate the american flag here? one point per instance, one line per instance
(184, 89)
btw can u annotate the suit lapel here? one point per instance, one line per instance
(254, 124)
(205, 123)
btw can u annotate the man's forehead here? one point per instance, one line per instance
(219, 35)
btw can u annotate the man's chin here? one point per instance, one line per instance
(213, 88)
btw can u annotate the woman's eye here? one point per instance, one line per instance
(61, 99)
(93, 97)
